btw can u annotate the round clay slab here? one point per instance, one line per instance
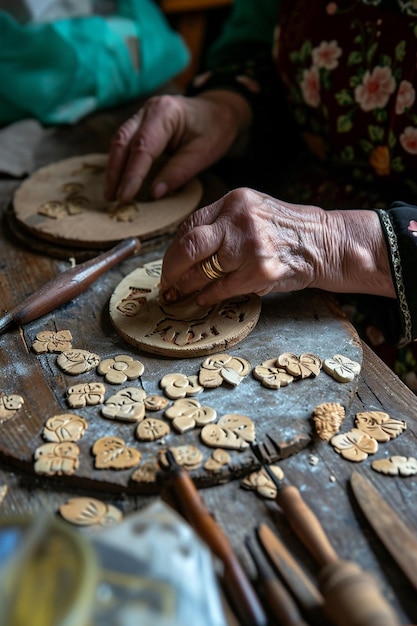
(179, 330)
(64, 202)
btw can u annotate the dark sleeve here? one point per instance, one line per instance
(399, 224)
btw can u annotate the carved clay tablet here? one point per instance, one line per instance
(178, 330)
(64, 202)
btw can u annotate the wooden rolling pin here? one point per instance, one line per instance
(240, 591)
(351, 595)
(68, 285)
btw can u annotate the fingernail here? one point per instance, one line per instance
(160, 190)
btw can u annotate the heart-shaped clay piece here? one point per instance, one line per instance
(113, 453)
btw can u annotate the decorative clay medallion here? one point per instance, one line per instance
(113, 453)
(151, 429)
(187, 413)
(341, 368)
(90, 512)
(120, 369)
(261, 483)
(379, 425)
(354, 445)
(328, 418)
(232, 431)
(77, 361)
(64, 427)
(9, 405)
(189, 456)
(396, 466)
(49, 341)
(84, 394)
(126, 405)
(179, 330)
(57, 458)
(179, 386)
(221, 368)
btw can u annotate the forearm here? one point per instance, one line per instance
(358, 249)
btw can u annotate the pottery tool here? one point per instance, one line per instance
(394, 534)
(280, 602)
(351, 595)
(68, 285)
(239, 589)
(301, 586)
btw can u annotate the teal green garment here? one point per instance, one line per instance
(57, 72)
(249, 21)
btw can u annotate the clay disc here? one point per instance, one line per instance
(64, 202)
(180, 330)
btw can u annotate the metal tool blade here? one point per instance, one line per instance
(392, 531)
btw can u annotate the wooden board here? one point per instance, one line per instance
(293, 322)
(180, 330)
(64, 203)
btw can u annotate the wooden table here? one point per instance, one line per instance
(324, 485)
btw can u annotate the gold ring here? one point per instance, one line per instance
(212, 268)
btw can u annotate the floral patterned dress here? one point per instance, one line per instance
(349, 73)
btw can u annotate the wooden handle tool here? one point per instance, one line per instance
(68, 285)
(239, 589)
(280, 602)
(352, 596)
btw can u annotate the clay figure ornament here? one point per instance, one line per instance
(181, 329)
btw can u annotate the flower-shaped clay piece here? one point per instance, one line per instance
(220, 368)
(271, 375)
(219, 458)
(232, 431)
(178, 386)
(48, 341)
(354, 445)
(302, 366)
(79, 396)
(64, 427)
(126, 405)
(77, 361)
(261, 483)
(155, 403)
(151, 429)
(379, 425)
(341, 368)
(57, 458)
(190, 457)
(186, 413)
(113, 453)
(396, 466)
(90, 512)
(9, 404)
(120, 369)
(328, 418)
(146, 472)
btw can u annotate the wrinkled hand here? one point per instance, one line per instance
(264, 245)
(194, 132)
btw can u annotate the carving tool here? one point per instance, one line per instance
(394, 534)
(68, 285)
(235, 581)
(302, 588)
(351, 595)
(281, 603)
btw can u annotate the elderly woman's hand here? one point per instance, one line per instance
(262, 244)
(193, 132)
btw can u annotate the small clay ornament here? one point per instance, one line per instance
(354, 445)
(113, 453)
(64, 427)
(90, 512)
(49, 341)
(57, 458)
(77, 361)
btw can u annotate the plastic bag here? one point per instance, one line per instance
(58, 72)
